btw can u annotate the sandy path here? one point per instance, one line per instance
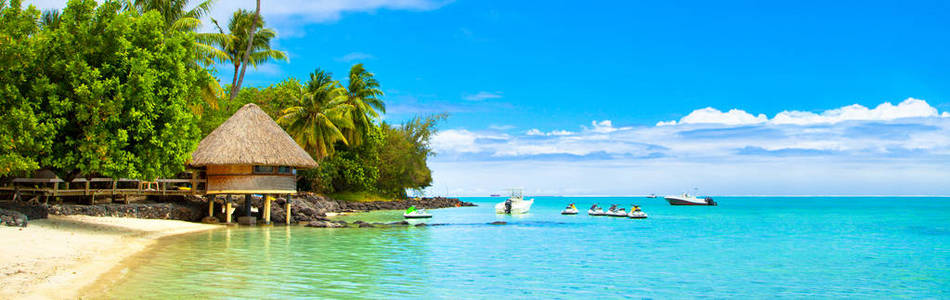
(56, 257)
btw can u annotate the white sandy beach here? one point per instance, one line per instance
(56, 258)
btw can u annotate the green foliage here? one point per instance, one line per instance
(23, 135)
(105, 92)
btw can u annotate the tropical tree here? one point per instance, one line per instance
(318, 114)
(178, 17)
(363, 94)
(235, 45)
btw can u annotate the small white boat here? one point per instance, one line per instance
(595, 212)
(637, 215)
(418, 214)
(687, 199)
(516, 204)
(652, 196)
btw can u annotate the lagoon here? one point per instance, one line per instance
(847, 247)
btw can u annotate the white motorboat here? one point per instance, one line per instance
(516, 204)
(687, 199)
(417, 214)
(595, 211)
(652, 196)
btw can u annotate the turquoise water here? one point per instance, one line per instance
(745, 248)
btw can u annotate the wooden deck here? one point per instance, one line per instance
(36, 190)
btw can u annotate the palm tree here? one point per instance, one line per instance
(363, 94)
(50, 19)
(317, 116)
(235, 45)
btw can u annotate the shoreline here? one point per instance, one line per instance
(59, 257)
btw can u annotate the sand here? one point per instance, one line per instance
(57, 257)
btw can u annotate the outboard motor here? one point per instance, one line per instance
(508, 206)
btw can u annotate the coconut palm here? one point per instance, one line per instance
(317, 116)
(235, 45)
(363, 94)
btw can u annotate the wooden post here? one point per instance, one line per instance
(227, 210)
(266, 209)
(86, 192)
(113, 190)
(210, 205)
(247, 205)
(194, 182)
(287, 209)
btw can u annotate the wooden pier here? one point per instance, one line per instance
(37, 190)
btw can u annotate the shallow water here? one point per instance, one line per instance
(746, 247)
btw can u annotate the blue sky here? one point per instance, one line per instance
(580, 98)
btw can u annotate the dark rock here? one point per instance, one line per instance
(357, 222)
(498, 223)
(13, 218)
(323, 224)
(186, 211)
(421, 225)
(365, 225)
(32, 212)
(403, 223)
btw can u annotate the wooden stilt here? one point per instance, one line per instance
(266, 209)
(227, 210)
(247, 205)
(210, 205)
(287, 209)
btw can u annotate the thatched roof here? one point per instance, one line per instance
(250, 137)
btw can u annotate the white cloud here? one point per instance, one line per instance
(483, 95)
(605, 126)
(536, 132)
(909, 108)
(886, 111)
(861, 156)
(711, 115)
(355, 56)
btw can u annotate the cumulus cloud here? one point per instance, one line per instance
(536, 132)
(711, 115)
(888, 149)
(909, 108)
(483, 95)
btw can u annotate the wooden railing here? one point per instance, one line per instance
(35, 189)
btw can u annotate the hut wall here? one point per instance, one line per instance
(236, 179)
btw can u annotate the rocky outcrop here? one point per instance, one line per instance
(13, 218)
(184, 211)
(32, 212)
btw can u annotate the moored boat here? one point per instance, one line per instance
(516, 204)
(687, 199)
(570, 210)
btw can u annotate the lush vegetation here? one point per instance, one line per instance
(127, 89)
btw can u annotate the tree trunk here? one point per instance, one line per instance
(237, 66)
(247, 53)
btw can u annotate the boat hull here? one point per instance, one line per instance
(676, 201)
(416, 216)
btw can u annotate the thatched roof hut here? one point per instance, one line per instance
(250, 137)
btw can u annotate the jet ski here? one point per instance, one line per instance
(636, 213)
(617, 213)
(413, 213)
(569, 210)
(595, 211)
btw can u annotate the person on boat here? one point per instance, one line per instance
(508, 206)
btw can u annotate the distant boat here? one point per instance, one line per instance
(494, 195)
(687, 199)
(651, 196)
(516, 204)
